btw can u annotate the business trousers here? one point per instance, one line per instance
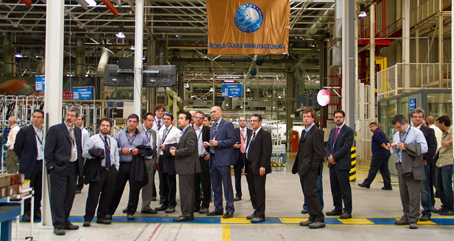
(444, 185)
(202, 178)
(11, 162)
(379, 162)
(186, 185)
(309, 186)
(433, 181)
(80, 181)
(105, 186)
(36, 181)
(148, 190)
(409, 189)
(62, 190)
(220, 176)
(341, 189)
(237, 170)
(123, 176)
(425, 192)
(319, 190)
(256, 184)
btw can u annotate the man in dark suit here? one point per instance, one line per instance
(186, 165)
(258, 159)
(202, 178)
(338, 153)
(222, 156)
(417, 117)
(241, 136)
(64, 161)
(29, 149)
(307, 165)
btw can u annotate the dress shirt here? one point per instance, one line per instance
(85, 135)
(217, 126)
(172, 137)
(39, 137)
(445, 157)
(308, 129)
(438, 135)
(200, 148)
(123, 139)
(12, 136)
(72, 136)
(254, 135)
(410, 136)
(96, 142)
(155, 124)
(150, 140)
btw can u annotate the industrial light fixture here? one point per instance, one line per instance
(280, 97)
(186, 86)
(362, 11)
(18, 53)
(132, 48)
(121, 34)
(193, 96)
(229, 81)
(211, 90)
(248, 90)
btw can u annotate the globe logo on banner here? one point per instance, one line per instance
(248, 18)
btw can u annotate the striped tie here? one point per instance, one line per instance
(215, 127)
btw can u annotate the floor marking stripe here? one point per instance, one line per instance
(225, 232)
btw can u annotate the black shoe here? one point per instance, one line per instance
(306, 223)
(304, 211)
(317, 225)
(196, 210)
(363, 185)
(257, 220)
(387, 188)
(161, 208)
(71, 226)
(153, 199)
(250, 217)
(413, 226)
(103, 221)
(447, 212)
(170, 210)
(149, 211)
(160, 201)
(345, 216)
(59, 231)
(125, 210)
(26, 218)
(86, 224)
(109, 217)
(227, 215)
(237, 199)
(204, 210)
(130, 217)
(334, 213)
(37, 216)
(183, 219)
(402, 222)
(424, 218)
(215, 213)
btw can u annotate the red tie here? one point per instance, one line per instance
(243, 149)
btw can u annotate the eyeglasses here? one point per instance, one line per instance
(198, 117)
(253, 121)
(308, 116)
(104, 125)
(37, 117)
(132, 121)
(417, 117)
(159, 111)
(243, 120)
(338, 117)
(397, 128)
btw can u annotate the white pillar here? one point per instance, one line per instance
(452, 68)
(138, 62)
(406, 44)
(348, 61)
(372, 64)
(53, 85)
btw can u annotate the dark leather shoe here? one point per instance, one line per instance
(215, 213)
(402, 222)
(387, 188)
(149, 211)
(249, 217)
(306, 223)
(317, 225)
(161, 208)
(363, 186)
(204, 210)
(345, 216)
(183, 219)
(227, 215)
(413, 226)
(170, 210)
(125, 210)
(304, 211)
(447, 212)
(26, 218)
(86, 224)
(59, 231)
(109, 217)
(103, 221)
(37, 216)
(71, 226)
(237, 199)
(130, 217)
(257, 220)
(334, 213)
(424, 218)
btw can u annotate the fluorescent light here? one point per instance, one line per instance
(186, 86)
(18, 55)
(120, 33)
(132, 48)
(211, 90)
(91, 2)
(229, 81)
(362, 14)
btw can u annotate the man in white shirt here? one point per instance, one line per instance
(85, 135)
(159, 110)
(439, 136)
(11, 157)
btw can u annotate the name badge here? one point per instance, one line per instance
(74, 150)
(244, 145)
(41, 149)
(111, 158)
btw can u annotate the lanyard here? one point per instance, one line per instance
(243, 136)
(127, 136)
(106, 144)
(164, 138)
(39, 139)
(404, 136)
(200, 134)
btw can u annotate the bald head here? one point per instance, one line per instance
(430, 120)
(216, 113)
(12, 120)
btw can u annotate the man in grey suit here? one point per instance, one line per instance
(186, 165)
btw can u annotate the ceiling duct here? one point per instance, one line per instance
(103, 60)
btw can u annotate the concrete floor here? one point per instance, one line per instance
(374, 212)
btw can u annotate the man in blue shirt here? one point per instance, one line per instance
(380, 157)
(409, 182)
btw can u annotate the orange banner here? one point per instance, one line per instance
(241, 27)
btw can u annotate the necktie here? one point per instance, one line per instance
(303, 133)
(335, 137)
(247, 150)
(164, 135)
(107, 149)
(159, 125)
(243, 149)
(73, 145)
(215, 131)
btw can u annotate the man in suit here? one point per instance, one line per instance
(64, 161)
(338, 149)
(257, 165)
(417, 117)
(29, 149)
(409, 182)
(203, 177)
(222, 156)
(241, 136)
(186, 165)
(307, 165)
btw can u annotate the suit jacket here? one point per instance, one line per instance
(412, 162)
(259, 152)
(225, 155)
(431, 140)
(237, 132)
(58, 148)
(153, 145)
(310, 152)
(342, 148)
(206, 136)
(26, 150)
(186, 154)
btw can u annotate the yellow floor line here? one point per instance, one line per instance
(225, 232)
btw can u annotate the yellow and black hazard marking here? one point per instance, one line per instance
(278, 164)
(353, 168)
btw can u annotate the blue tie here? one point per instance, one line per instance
(107, 148)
